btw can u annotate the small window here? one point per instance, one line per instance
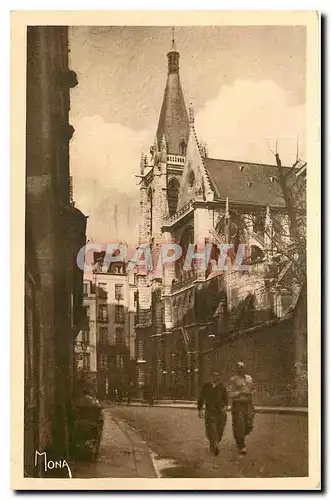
(191, 179)
(103, 312)
(103, 361)
(119, 314)
(141, 349)
(182, 148)
(86, 287)
(119, 361)
(119, 336)
(103, 335)
(118, 292)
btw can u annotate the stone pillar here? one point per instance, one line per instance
(144, 225)
(169, 274)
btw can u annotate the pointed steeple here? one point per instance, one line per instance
(173, 122)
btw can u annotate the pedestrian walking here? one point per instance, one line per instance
(214, 398)
(241, 391)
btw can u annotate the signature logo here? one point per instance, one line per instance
(50, 464)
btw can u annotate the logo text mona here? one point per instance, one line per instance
(51, 464)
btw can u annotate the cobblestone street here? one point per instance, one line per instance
(174, 437)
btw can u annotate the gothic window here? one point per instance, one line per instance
(173, 192)
(191, 179)
(182, 147)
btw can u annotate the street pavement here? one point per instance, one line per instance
(277, 447)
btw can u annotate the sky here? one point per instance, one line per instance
(247, 86)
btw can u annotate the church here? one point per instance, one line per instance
(189, 320)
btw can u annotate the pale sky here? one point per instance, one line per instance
(247, 85)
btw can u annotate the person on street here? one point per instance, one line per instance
(214, 397)
(241, 390)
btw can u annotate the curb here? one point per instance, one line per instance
(190, 406)
(143, 457)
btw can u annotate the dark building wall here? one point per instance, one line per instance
(269, 355)
(56, 232)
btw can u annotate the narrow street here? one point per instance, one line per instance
(173, 439)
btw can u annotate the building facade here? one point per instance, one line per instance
(110, 305)
(55, 232)
(189, 306)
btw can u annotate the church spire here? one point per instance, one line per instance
(173, 122)
(173, 44)
(173, 56)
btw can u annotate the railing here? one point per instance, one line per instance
(176, 160)
(103, 343)
(182, 211)
(188, 278)
(102, 319)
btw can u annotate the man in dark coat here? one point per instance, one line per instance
(214, 397)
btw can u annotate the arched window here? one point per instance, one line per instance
(173, 192)
(150, 210)
(191, 179)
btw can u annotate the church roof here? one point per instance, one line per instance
(246, 182)
(173, 122)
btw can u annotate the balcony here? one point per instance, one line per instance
(179, 214)
(176, 160)
(103, 344)
(102, 319)
(188, 277)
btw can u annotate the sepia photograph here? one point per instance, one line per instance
(167, 194)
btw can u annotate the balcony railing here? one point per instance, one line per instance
(102, 319)
(187, 279)
(176, 160)
(177, 215)
(103, 343)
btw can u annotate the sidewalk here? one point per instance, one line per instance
(122, 454)
(193, 405)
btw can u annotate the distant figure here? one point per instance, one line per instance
(241, 391)
(214, 397)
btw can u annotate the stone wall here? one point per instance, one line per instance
(270, 356)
